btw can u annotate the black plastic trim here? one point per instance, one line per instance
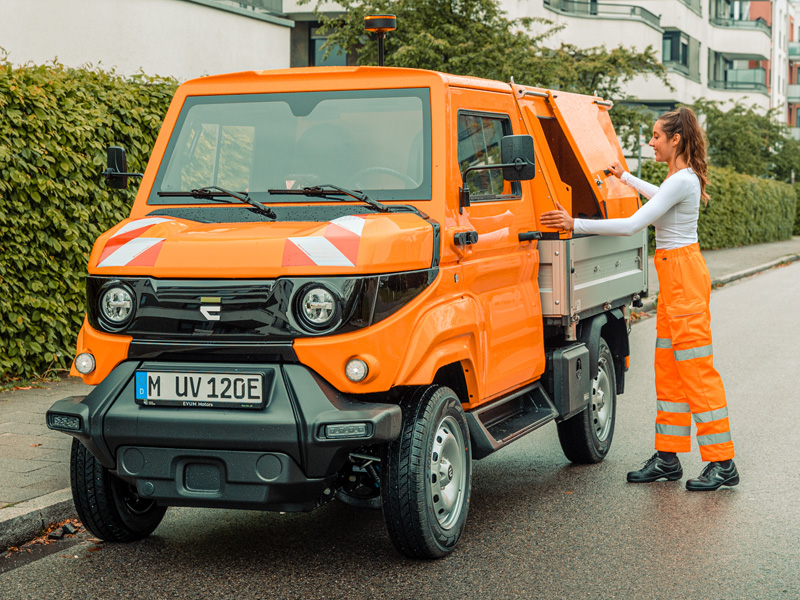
(299, 405)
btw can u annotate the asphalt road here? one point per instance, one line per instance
(538, 527)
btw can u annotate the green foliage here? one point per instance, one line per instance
(749, 141)
(796, 230)
(53, 205)
(474, 37)
(742, 209)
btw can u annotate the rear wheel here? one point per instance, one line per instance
(108, 506)
(586, 437)
(426, 475)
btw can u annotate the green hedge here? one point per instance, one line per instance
(56, 125)
(741, 209)
(797, 213)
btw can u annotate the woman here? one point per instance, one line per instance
(687, 384)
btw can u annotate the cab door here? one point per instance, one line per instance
(499, 270)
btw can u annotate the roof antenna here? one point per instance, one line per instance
(380, 24)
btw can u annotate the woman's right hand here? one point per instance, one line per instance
(616, 168)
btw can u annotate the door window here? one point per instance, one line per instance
(479, 138)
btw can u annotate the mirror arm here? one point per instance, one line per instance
(108, 173)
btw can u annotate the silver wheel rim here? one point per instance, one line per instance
(448, 474)
(602, 401)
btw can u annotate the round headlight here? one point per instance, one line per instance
(318, 308)
(116, 305)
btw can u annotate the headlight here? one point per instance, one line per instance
(116, 306)
(318, 308)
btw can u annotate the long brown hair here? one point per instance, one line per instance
(692, 145)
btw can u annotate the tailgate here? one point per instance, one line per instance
(588, 128)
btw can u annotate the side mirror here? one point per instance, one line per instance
(117, 164)
(519, 159)
(117, 172)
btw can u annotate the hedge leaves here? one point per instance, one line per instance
(53, 204)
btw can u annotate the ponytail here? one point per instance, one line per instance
(692, 146)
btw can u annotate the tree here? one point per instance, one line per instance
(474, 37)
(749, 141)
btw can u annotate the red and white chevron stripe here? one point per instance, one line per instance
(336, 245)
(129, 247)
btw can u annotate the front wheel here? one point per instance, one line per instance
(586, 437)
(108, 506)
(426, 475)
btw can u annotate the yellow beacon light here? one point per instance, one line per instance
(380, 24)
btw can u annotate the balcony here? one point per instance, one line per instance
(793, 94)
(794, 132)
(601, 9)
(742, 80)
(758, 25)
(794, 51)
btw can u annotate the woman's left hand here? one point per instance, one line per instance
(558, 219)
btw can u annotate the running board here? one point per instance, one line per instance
(498, 424)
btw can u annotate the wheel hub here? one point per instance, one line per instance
(448, 472)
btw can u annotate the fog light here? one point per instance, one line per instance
(84, 363)
(346, 430)
(64, 422)
(356, 370)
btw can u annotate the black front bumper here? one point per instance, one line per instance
(273, 458)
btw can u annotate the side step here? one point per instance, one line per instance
(498, 424)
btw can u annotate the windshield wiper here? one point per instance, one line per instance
(326, 190)
(213, 191)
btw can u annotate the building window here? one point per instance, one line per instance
(336, 58)
(675, 48)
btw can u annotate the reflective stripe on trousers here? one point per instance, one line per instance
(687, 384)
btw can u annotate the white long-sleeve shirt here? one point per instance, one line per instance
(672, 209)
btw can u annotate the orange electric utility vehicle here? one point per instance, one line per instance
(333, 283)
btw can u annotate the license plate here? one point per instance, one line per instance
(200, 390)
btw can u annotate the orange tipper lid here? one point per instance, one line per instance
(588, 128)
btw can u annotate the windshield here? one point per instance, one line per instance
(376, 141)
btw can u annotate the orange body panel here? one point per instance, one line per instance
(483, 309)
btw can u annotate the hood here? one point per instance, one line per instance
(163, 246)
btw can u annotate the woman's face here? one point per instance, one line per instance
(664, 148)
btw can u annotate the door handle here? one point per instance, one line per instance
(529, 236)
(465, 238)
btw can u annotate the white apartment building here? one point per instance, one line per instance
(727, 50)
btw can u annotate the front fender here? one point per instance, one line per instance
(446, 334)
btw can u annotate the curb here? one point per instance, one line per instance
(26, 520)
(649, 304)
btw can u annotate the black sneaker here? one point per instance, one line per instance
(714, 476)
(657, 468)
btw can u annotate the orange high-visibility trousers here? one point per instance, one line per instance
(688, 387)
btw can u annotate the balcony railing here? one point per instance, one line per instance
(742, 80)
(271, 6)
(794, 132)
(601, 9)
(794, 50)
(793, 94)
(759, 24)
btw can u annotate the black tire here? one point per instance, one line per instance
(426, 511)
(586, 437)
(107, 505)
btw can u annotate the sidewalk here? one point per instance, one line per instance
(34, 461)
